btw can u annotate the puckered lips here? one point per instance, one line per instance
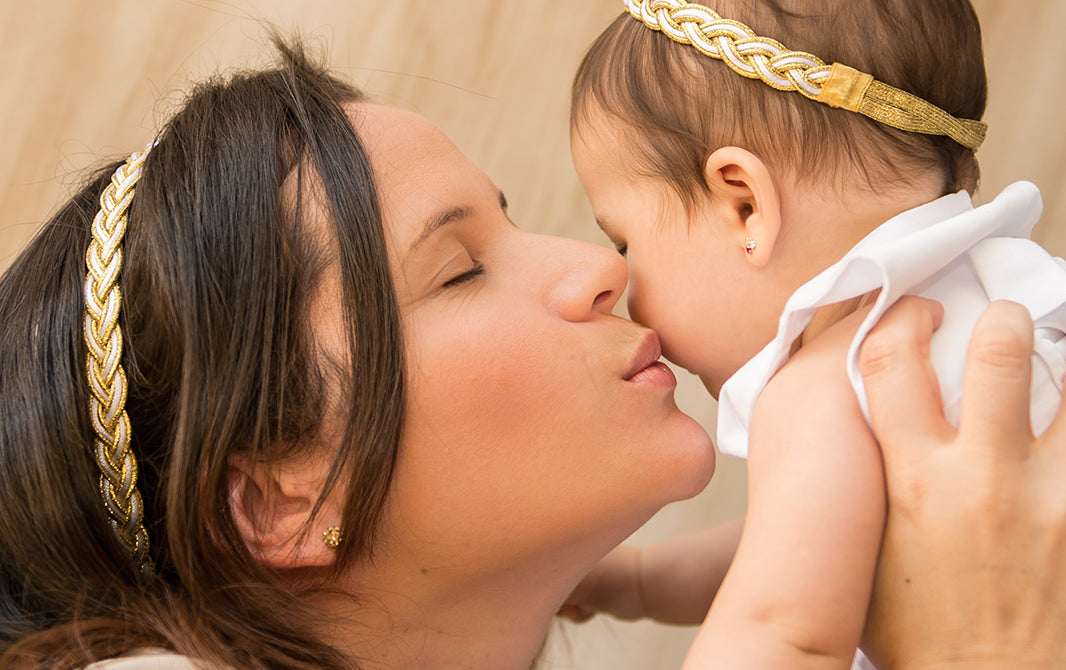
(646, 366)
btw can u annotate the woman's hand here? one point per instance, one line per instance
(973, 568)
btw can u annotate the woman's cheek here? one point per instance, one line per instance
(478, 363)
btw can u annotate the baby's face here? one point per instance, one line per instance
(690, 279)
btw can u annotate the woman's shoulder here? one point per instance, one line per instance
(149, 659)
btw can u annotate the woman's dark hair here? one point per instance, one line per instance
(220, 269)
(684, 105)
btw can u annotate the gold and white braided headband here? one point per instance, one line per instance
(107, 379)
(768, 60)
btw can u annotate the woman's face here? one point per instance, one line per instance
(534, 417)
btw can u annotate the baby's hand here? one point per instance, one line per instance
(612, 587)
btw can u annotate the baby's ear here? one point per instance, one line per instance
(743, 187)
(271, 507)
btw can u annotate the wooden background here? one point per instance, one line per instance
(87, 80)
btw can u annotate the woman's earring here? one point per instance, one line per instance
(749, 245)
(332, 537)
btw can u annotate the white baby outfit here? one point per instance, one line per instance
(948, 250)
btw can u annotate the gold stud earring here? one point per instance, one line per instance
(332, 537)
(749, 245)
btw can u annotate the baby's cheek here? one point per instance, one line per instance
(655, 295)
(690, 347)
(638, 305)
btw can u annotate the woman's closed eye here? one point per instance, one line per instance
(473, 273)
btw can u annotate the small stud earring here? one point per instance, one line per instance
(332, 537)
(749, 245)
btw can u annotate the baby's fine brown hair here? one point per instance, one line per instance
(684, 105)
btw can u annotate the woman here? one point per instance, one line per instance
(272, 256)
(373, 423)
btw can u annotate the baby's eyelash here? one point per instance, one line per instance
(472, 273)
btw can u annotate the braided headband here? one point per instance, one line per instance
(766, 59)
(107, 379)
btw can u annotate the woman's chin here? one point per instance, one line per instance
(700, 472)
(701, 458)
(692, 465)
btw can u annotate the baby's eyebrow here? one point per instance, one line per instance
(503, 206)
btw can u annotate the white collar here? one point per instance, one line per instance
(894, 257)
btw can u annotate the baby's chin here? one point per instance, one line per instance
(713, 385)
(712, 382)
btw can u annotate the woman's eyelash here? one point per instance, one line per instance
(472, 273)
(622, 249)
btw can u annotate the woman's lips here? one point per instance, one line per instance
(646, 367)
(657, 374)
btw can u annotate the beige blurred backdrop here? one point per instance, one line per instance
(87, 80)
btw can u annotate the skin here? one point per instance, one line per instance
(716, 304)
(529, 449)
(713, 305)
(442, 591)
(970, 572)
(706, 328)
(996, 578)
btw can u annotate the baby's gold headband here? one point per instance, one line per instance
(107, 379)
(768, 60)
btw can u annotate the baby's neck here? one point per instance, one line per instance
(830, 314)
(845, 220)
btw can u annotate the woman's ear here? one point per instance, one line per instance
(271, 507)
(742, 183)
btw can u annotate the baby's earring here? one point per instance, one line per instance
(749, 245)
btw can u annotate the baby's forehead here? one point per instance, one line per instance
(591, 117)
(605, 133)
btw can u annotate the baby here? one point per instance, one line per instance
(761, 195)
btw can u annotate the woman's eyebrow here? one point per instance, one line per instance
(438, 221)
(443, 218)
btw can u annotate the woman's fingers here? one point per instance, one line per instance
(1054, 438)
(971, 572)
(995, 398)
(901, 386)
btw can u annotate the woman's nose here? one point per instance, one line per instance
(589, 281)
